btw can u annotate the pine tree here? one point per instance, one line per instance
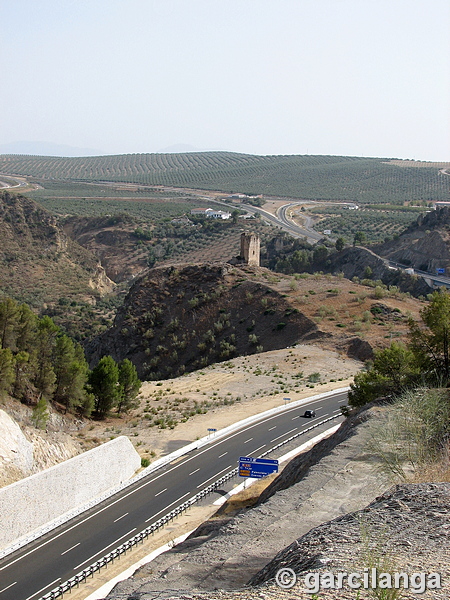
(40, 414)
(6, 370)
(104, 384)
(8, 322)
(129, 386)
(71, 373)
(45, 342)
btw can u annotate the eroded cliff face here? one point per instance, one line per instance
(25, 450)
(40, 263)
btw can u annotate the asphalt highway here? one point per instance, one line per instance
(39, 567)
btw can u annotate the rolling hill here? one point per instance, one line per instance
(354, 179)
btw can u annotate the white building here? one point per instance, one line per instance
(209, 213)
(219, 214)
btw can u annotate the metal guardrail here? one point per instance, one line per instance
(81, 577)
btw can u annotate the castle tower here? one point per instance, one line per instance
(250, 248)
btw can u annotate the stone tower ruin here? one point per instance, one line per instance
(250, 248)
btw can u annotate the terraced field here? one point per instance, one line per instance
(361, 180)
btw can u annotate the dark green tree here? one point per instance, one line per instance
(392, 371)
(23, 388)
(359, 238)
(6, 370)
(320, 254)
(8, 323)
(430, 342)
(104, 385)
(71, 372)
(340, 244)
(235, 215)
(26, 328)
(40, 414)
(45, 343)
(129, 386)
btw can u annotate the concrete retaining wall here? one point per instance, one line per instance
(31, 502)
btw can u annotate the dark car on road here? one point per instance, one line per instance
(309, 414)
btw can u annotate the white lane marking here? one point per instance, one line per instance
(257, 449)
(280, 436)
(167, 506)
(206, 480)
(101, 552)
(196, 470)
(248, 441)
(210, 447)
(7, 588)
(164, 490)
(272, 428)
(69, 549)
(121, 517)
(44, 588)
(297, 417)
(223, 454)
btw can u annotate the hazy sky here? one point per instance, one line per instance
(350, 77)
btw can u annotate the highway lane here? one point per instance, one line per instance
(293, 228)
(36, 569)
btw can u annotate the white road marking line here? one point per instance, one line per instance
(248, 441)
(257, 449)
(167, 506)
(272, 428)
(7, 588)
(69, 549)
(223, 454)
(206, 480)
(101, 552)
(196, 470)
(121, 517)
(297, 417)
(280, 436)
(44, 588)
(164, 490)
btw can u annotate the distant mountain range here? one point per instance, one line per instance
(47, 149)
(63, 150)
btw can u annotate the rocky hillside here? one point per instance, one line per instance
(181, 319)
(41, 264)
(425, 245)
(354, 262)
(112, 241)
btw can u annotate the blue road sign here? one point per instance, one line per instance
(211, 429)
(257, 467)
(440, 271)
